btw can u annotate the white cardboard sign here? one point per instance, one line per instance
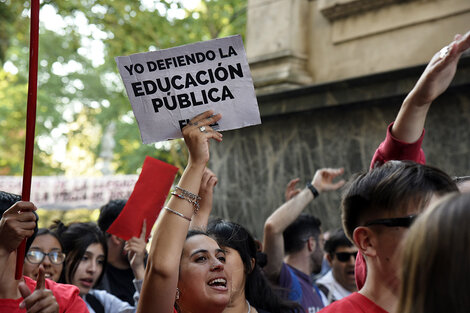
(169, 87)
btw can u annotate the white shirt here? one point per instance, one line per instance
(337, 291)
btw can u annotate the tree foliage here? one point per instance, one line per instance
(79, 92)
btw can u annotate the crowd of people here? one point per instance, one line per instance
(402, 248)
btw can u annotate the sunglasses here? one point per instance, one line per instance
(37, 256)
(345, 256)
(394, 222)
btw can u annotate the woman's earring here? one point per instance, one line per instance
(177, 293)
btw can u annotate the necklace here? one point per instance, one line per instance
(249, 306)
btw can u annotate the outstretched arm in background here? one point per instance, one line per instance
(433, 82)
(404, 139)
(291, 189)
(279, 220)
(161, 273)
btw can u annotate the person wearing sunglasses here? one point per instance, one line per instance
(377, 210)
(339, 282)
(46, 250)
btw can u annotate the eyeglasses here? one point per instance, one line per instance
(345, 256)
(394, 222)
(37, 256)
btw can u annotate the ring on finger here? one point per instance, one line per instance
(444, 52)
(202, 129)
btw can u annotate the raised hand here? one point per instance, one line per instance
(136, 251)
(41, 300)
(206, 192)
(291, 190)
(197, 135)
(440, 71)
(17, 223)
(323, 179)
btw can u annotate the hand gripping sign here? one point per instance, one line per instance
(168, 87)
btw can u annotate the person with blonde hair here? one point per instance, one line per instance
(435, 273)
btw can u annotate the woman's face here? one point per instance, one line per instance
(203, 281)
(42, 245)
(89, 269)
(234, 265)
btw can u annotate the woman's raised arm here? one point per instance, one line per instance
(161, 274)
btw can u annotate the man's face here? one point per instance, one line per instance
(389, 240)
(342, 265)
(317, 254)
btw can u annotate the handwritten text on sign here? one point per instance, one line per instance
(166, 88)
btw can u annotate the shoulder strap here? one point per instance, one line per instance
(94, 303)
(324, 289)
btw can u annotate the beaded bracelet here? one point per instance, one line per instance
(177, 213)
(195, 203)
(188, 194)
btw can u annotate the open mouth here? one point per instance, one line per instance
(86, 282)
(48, 275)
(218, 283)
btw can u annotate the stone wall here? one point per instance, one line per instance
(330, 75)
(337, 124)
(295, 43)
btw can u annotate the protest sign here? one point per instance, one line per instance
(146, 200)
(169, 87)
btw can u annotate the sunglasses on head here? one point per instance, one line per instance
(394, 222)
(345, 256)
(37, 256)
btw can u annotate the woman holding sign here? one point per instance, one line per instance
(186, 270)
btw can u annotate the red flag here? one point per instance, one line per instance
(146, 200)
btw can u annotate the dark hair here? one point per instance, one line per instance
(297, 233)
(109, 212)
(336, 239)
(76, 238)
(392, 187)
(6, 201)
(258, 291)
(52, 232)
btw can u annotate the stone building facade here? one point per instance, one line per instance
(330, 75)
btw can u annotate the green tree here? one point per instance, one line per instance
(75, 93)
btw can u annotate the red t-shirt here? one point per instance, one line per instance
(67, 297)
(354, 303)
(393, 149)
(390, 149)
